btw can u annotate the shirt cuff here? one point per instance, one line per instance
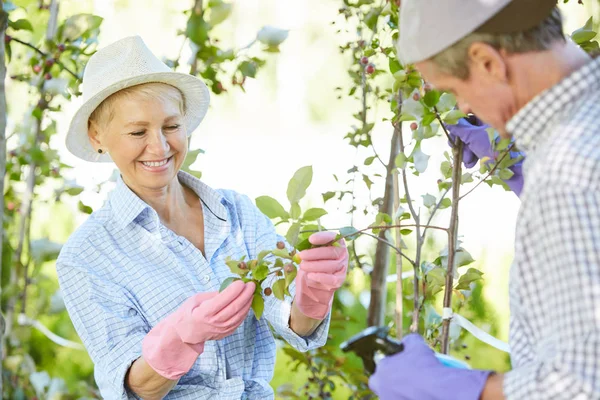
(281, 325)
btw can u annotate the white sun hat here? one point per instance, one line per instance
(124, 63)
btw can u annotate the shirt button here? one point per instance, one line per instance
(206, 279)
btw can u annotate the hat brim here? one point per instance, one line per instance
(196, 98)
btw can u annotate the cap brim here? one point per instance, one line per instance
(196, 98)
(518, 16)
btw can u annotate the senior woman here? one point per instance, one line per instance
(140, 277)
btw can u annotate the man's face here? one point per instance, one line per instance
(482, 93)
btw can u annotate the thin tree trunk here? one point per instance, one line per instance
(452, 239)
(380, 266)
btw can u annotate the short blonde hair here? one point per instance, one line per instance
(105, 112)
(454, 60)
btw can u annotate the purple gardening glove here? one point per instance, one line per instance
(416, 374)
(477, 146)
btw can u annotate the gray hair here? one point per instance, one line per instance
(454, 59)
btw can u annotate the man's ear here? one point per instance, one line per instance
(486, 61)
(94, 135)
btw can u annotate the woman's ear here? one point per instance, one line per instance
(94, 135)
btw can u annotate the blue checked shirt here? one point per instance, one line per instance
(122, 272)
(555, 278)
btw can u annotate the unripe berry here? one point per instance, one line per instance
(296, 258)
(427, 87)
(370, 68)
(280, 245)
(50, 62)
(414, 126)
(7, 38)
(10, 206)
(61, 47)
(289, 268)
(37, 69)
(268, 291)
(47, 76)
(364, 60)
(416, 97)
(242, 265)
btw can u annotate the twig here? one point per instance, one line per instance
(452, 239)
(397, 249)
(437, 206)
(439, 118)
(506, 152)
(45, 55)
(399, 294)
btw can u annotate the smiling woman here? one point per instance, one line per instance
(140, 277)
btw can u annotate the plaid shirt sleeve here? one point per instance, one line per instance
(278, 312)
(107, 323)
(559, 293)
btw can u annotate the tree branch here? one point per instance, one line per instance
(46, 56)
(506, 152)
(452, 239)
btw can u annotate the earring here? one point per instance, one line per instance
(100, 151)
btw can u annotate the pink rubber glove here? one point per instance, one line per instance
(322, 271)
(173, 345)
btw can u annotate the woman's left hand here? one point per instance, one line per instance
(322, 271)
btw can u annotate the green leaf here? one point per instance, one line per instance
(465, 279)
(271, 207)
(43, 250)
(582, 36)
(84, 209)
(400, 160)
(262, 255)
(405, 231)
(502, 144)
(463, 257)
(79, 25)
(369, 160)
(349, 232)
(283, 253)
(190, 158)
(428, 200)
(219, 13)
(233, 267)
(446, 169)
(260, 273)
(367, 181)
(394, 65)
(446, 103)
(279, 289)
(453, 116)
(197, 29)
(228, 282)
(258, 305)
(74, 190)
(505, 174)
(313, 214)
(248, 69)
(303, 245)
(299, 183)
(421, 159)
(431, 98)
(295, 211)
(328, 196)
(292, 234)
(21, 24)
(290, 276)
(446, 202)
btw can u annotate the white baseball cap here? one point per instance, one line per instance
(428, 27)
(125, 63)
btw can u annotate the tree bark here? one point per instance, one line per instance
(382, 252)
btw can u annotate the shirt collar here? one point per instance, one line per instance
(531, 124)
(127, 206)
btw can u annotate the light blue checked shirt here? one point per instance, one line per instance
(122, 272)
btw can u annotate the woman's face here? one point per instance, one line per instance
(147, 140)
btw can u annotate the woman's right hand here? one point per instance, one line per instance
(216, 317)
(172, 346)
